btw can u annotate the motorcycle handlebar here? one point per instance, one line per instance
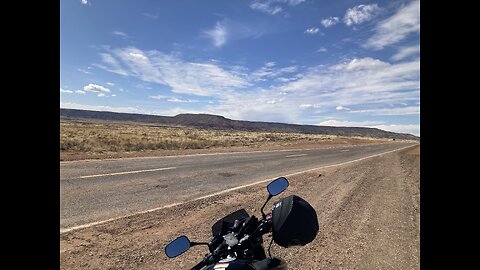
(264, 224)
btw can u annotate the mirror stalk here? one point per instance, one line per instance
(199, 243)
(261, 209)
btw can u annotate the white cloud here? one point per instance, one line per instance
(101, 95)
(218, 34)
(159, 97)
(110, 83)
(322, 49)
(113, 65)
(179, 100)
(269, 7)
(404, 52)
(358, 82)
(368, 83)
(71, 91)
(84, 71)
(266, 8)
(84, 2)
(113, 95)
(361, 64)
(96, 88)
(360, 14)
(339, 123)
(312, 30)
(150, 16)
(396, 28)
(410, 110)
(330, 21)
(120, 34)
(309, 106)
(268, 71)
(341, 108)
(70, 105)
(292, 2)
(270, 64)
(201, 79)
(65, 91)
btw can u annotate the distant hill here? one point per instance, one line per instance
(208, 121)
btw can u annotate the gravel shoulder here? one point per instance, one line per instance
(368, 211)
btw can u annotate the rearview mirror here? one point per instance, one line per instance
(177, 246)
(277, 186)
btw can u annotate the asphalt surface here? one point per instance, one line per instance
(96, 190)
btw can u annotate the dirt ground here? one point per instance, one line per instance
(368, 211)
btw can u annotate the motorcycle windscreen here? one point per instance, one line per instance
(221, 227)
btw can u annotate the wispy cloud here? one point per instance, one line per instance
(292, 2)
(330, 21)
(404, 22)
(150, 16)
(84, 2)
(265, 8)
(405, 52)
(159, 97)
(112, 64)
(312, 30)
(360, 14)
(84, 71)
(272, 7)
(72, 105)
(269, 71)
(71, 91)
(202, 79)
(410, 110)
(341, 108)
(179, 100)
(341, 123)
(120, 34)
(218, 34)
(321, 49)
(366, 63)
(309, 106)
(174, 99)
(65, 91)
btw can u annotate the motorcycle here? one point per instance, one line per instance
(237, 239)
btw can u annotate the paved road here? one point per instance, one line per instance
(92, 191)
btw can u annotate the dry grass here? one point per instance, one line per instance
(101, 137)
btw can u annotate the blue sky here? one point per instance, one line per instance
(329, 62)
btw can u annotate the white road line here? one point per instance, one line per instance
(226, 191)
(120, 173)
(299, 155)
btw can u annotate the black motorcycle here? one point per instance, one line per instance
(237, 242)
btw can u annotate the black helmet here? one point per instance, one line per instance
(294, 222)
